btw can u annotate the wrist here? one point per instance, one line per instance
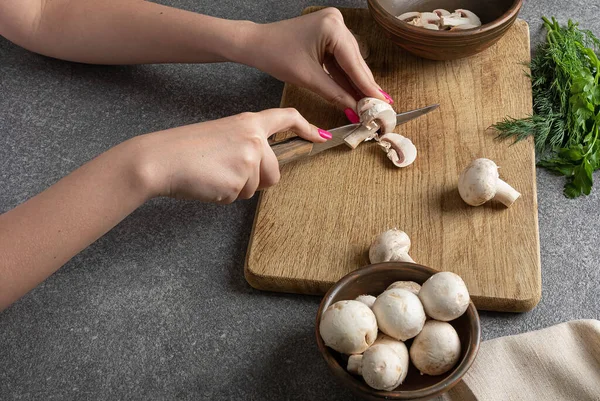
(243, 42)
(140, 169)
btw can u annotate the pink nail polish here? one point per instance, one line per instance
(325, 134)
(352, 116)
(387, 97)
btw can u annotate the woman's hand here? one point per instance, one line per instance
(295, 51)
(221, 160)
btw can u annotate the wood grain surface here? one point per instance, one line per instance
(316, 225)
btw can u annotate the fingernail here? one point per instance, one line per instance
(352, 116)
(325, 134)
(387, 97)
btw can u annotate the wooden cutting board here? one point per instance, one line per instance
(316, 225)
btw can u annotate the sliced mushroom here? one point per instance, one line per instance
(441, 12)
(374, 114)
(407, 17)
(400, 150)
(470, 15)
(433, 27)
(441, 19)
(452, 21)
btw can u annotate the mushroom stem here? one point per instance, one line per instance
(362, 133)
(405, 257)
(505, 193)
(354, 364)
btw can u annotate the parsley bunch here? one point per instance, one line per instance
(565, 76)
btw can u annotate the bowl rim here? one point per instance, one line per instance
(512, 12)
(357, 385)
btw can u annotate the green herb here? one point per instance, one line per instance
(565, 76)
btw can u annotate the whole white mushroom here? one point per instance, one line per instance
(355, 361)
(349, 327)
(399, 314)
(444, 296)
(382, 368)
(390, 246)
(479, 182)
(406, 285)
(436, 349)
(368, 300)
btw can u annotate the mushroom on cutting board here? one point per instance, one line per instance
(349, 327)
(479, 182)
(390, 246)
(436, 349)
(444, 296)
(368, 300)
(399, 314)
(406, 285)
(400, 150)
(374, 114)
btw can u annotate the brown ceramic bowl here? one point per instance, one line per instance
(373, 280)
(497, 16)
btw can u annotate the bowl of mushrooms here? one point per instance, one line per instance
(398, 331)
(445, 29)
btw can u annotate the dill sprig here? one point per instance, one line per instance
(565, 75)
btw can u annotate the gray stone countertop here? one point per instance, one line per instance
(158, 308)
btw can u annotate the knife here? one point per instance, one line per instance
(298, 148)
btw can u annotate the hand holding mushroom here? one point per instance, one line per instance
(378, 120)
(399, 314)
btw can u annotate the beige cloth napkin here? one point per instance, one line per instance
(561, 362)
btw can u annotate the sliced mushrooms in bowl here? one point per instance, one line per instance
(444, 29)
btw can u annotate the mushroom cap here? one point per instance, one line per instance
(349, 327)
(406, 285)
(368, 300)
(400, 150)
(478, 182)
(390, 245)
(381, 367)
(399, 314)
(444, 296)
(436, 349)
(372, 110)
(400, 348)
(367, 103)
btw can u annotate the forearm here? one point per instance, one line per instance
(40, 235)
(122, 32)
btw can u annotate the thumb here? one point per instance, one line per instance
(278, 120)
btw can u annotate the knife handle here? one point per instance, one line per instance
(291, 149)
